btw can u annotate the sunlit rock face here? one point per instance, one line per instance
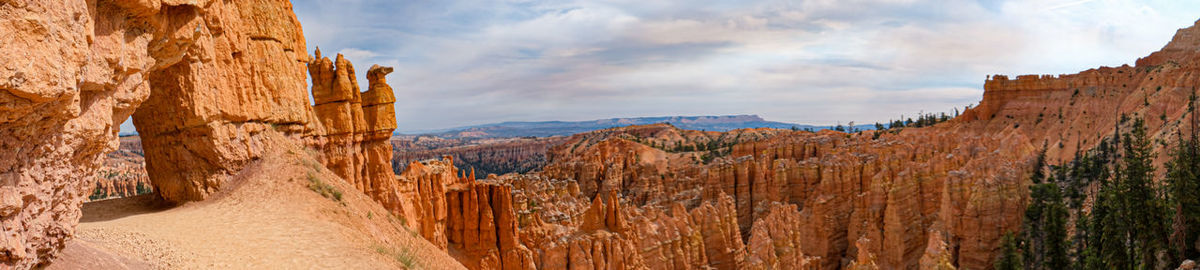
(227, 72)
(204, 77)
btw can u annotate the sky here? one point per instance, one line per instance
(466, 62)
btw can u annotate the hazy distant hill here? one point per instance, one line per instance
(564, 128)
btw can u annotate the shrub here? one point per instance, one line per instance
(326, 190)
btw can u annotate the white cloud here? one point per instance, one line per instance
(470, 62)
(358, 55)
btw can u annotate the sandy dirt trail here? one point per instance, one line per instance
(267, 218)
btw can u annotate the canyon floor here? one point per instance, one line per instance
(271, 217)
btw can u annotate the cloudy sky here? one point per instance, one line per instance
(463, 62)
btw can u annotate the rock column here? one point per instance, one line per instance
(357, 125)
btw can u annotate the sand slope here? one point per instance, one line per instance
(268, 218)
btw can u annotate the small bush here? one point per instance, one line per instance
(405, 258)
(326, 190)
(402, 256)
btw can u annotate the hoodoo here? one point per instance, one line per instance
(357, 125)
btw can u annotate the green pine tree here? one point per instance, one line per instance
(1106, 244)
(1183, 180)
(1045, 231)
(1143, 206)
(1039, 171)
(1082, 234)
(1010, 255)
(1057, 244)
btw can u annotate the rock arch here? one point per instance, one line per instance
(204, 80)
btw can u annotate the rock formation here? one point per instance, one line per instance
(74, 69)
(123, 173)
(203, 81)
(644, 163)
(219, 75)
(845, 187)
(937, 198)
(121, 181)
(486, 156)
(357, 125)
(776, 241)
(483, 226)
(422, 198)
(865, 260)
(475, 221)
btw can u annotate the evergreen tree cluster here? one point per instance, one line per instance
(923, 120)
(1134, 222)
